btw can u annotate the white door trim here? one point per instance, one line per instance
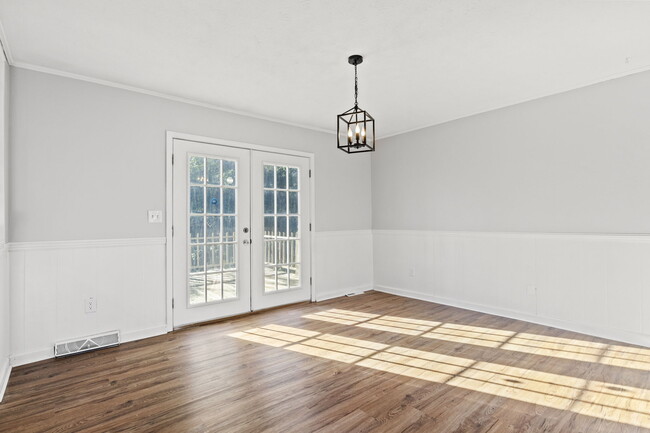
(169, 207)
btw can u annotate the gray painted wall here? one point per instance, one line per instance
(574, 162)
(88, 161)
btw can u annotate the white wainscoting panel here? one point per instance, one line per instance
(594, 284)
(51, 280)
(5, 324)
(342, 263)
(5, 372)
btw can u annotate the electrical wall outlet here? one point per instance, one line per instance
(155, 216)
(90, 304)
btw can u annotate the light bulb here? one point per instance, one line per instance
(356, 133)
(349, 135)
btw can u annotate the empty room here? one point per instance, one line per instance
(298, 216)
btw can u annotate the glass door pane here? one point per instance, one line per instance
(280, 208)
(211, 217)
(212, 230)
(281, 222)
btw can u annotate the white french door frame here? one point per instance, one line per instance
(169, 207)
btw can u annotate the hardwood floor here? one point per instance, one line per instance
(370, 363)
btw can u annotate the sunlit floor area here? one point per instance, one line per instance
(369, 363)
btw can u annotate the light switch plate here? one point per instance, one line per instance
(155, 216)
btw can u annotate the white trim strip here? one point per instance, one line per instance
(343, 233)
(5, 373)
(5, 46)
(173, 135)
(51, 71)
(35, 356)
(612, 334)
(636, 237)
(96, 243)
(338, 293)
(142, 334)
(40, 355)
(642, 68)
(57, 72)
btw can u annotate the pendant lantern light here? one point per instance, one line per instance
(355, 128)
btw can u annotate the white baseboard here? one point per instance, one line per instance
(612, 334)
(41, 355)
(341, 292)
(5, 372)
(144, 333)
(35, 356)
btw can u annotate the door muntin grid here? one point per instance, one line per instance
(282, 261)
(211, 230)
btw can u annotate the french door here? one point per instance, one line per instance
(240, 231)
(280, 224)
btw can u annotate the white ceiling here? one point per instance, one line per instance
(426, 61)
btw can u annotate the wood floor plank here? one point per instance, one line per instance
(369, 363)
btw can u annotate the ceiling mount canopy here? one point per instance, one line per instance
(355, 129)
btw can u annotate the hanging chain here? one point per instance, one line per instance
(356, 86)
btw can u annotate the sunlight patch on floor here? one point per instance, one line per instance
(274, 335)
(535, 344)
(399, 325)
(629, 357)
(329, 346)
(608, 401)
(556, 347)
(466, 334)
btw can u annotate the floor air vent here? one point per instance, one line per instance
(72, 347)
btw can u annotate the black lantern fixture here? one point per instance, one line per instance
(355, 129)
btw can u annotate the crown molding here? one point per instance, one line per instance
(24, 65)
(643, 68)
(5, 46)
(51, 71)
